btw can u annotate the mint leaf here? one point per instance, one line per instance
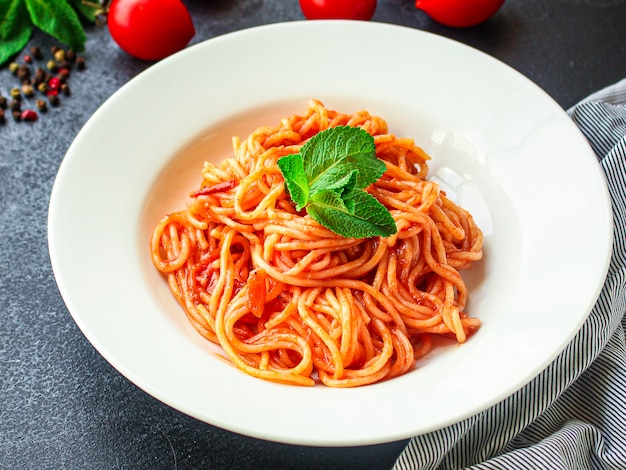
(58, 19)
(335, 152)
(329, 200)
(341, 185)
(370, 217)
(292, 169)
(15, 28)
(329, 176)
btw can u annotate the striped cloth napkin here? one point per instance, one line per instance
(573, 415)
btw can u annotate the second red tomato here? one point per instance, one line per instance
(459, 13)
(150, 29)
(338, 9)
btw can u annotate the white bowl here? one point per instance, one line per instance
(503, 148)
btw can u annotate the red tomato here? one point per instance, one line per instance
(459, 13)
(338, 9)
(150, 29)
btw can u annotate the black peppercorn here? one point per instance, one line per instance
(23, 72)
(40, 75)
(80, 63)
(17, 115)
(15, 105)
(54, 99)
(41, 105)
(36, 52)
(2, 118)
(3, 102)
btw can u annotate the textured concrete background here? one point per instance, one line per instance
(61, 404)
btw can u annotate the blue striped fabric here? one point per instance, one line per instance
(573, 415)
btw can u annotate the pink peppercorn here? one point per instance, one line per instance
(29, 115)
(54, 83)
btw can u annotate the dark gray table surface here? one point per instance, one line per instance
(62, 406)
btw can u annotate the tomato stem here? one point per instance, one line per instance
(101, 9)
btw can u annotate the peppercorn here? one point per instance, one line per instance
(63, 75)
(40, 75)
(29, 115)
(23, 72)
(54, 99)
(41, 105)
(51, 80)
(54, 83)
(28, 90)
(36, 52)
(2, 118)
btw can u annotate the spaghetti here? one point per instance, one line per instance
(290, 301)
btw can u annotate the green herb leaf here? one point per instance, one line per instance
(326, 200)
(58, 19)
(87, 9)
(329, 176)
(369, 218)
(342, 184)
(15, 28)
(331, 154)
(292, 169)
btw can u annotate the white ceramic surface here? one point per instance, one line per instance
(500, 145)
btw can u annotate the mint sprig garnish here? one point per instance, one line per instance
(328, 178)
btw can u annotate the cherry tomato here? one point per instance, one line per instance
(150, 29)
(338, 9)
(459, 13)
